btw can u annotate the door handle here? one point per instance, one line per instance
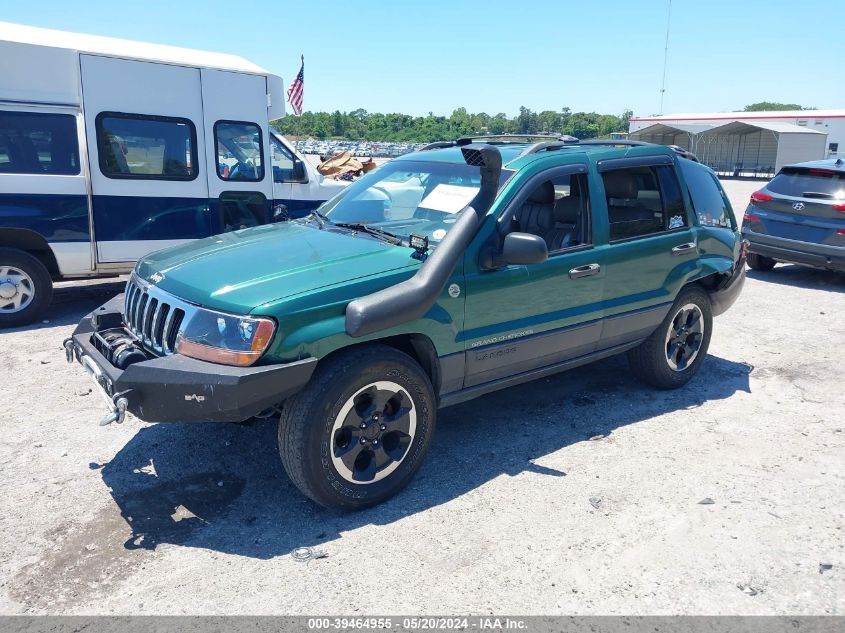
(683, 249)
(584, 271)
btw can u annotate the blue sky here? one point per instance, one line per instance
(496, 55)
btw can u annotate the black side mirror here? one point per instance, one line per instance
(298, 169)
(523, 248)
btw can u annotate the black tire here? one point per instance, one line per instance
(759, 262)
(37, 282)
(311, 446)
(651, 361)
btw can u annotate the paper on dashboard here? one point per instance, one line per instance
(449, 198)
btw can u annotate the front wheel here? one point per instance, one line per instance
(25, 288)
(360, 429)
(671, 356)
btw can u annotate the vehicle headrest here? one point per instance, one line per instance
(568, 210)
(619, 184)
(544, 194)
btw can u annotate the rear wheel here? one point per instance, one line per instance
(671, 356)
(25, 288)
(360, 429)
(758, 262)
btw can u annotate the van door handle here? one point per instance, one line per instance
(683, 249)
(584, 271)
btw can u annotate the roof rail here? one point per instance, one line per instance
(510, 137)
(553, 141)
(436, 145)
(680, 151)
(545, 146)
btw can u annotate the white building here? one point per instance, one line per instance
(748, 143)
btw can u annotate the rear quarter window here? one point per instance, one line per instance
(709, 201)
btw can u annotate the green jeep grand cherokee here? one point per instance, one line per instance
(445, 274)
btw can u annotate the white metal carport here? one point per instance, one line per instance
(680, 134)
(741, 148)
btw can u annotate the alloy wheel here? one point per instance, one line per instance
(372, 432)
(684, 337)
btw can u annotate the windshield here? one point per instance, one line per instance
(405, 197)
(809, 183)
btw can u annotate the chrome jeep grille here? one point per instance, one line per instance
(153, 315)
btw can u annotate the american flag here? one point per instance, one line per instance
(296, 89)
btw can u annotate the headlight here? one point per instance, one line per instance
(225, 338)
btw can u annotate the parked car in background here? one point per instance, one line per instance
(449, 273)
(799, 217)
(111, 149)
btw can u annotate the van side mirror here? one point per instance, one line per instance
(299, 170)
(517, 248)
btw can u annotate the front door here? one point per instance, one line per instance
(520, 318)
(144, 128)
(240, 182)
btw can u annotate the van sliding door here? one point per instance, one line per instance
(240, 181)
(146, 140)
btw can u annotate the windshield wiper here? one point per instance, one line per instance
(371, 230)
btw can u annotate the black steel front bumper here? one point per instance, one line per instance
(180, 389)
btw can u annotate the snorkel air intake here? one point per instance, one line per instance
(413, 297)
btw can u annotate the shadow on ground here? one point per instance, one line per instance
(222, 486)
(801, 277)
(73, 300)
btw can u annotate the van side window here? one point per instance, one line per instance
(146, 147)
(38, 143)
(708, 199)
(558, 211)
(643, 201)
(240, 153)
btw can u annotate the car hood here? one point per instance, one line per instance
(239, 271)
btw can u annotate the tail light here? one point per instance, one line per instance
(745, 244)
(839, 207)
(841, 232)
(759, 196)
(750, 217)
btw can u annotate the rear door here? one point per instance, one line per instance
(240, 183)
(144, 128)
(802, 203)
(651, 244)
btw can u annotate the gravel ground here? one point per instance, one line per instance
(583, 493)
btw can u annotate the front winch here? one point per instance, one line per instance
(117, 403)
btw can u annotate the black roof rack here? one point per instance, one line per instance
(680, 151)
(554, 142)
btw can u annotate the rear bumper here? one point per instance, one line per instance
(181, 389)
(795, 251)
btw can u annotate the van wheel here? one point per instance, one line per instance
(671, 356)
(360, 429)
(758, 262)
(25, 288)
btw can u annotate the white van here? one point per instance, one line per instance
(110, 149)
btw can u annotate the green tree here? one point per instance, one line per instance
(376, 126)
(772, 106)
